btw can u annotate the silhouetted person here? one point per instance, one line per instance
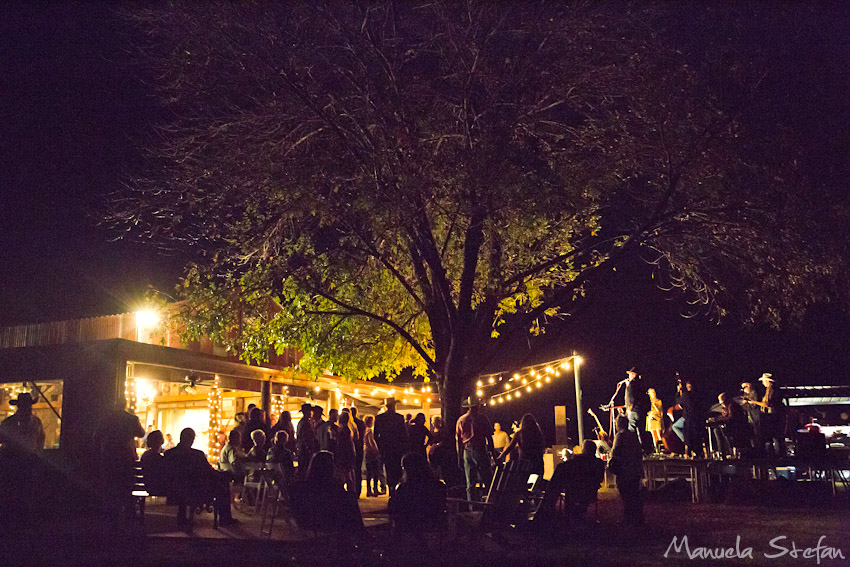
(231, 459)
(627, 463)
(281, 458)
(689, 427)
(22, 438)
(633, 402)
(578, 479)
(358, 450)
(730, 427)
(156, 482)
(346, 454)
(420, 499)
(320, 503)
(306, 444)
(115, 439)
(419, 435)
(391, 437)
(772, 417)
(255, 422)
(529, 446)
(257, 453)
(474, 439)
(753, 411)
(375, 482)
(328, 432)
(284, 423)
(193, 481)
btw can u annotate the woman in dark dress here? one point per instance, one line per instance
(529, 446)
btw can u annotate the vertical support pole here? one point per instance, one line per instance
(579, 416)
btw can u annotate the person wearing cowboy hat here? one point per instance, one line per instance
(306, 444)
(391, 438)
(772, 417)
(22, 431)
(474, 438)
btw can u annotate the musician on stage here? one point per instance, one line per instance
(688, 427)
(749, 395)
(632, 402)
(655, 419)
(772, 418)
(730, 427)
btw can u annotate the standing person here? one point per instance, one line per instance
(284, 423)
(500, 439)
(391, 438)
(688, 427)
(306, 443)
(753, 411)
(474, 443)
(529, 444)
(374, 467)
(115, 439)
(358, 450)
(21, 443)
(419, 435)
(633, 406)
(345, 455)
(255, 422)
(772, 417)
(655, 419)
(627, 463)
(328, 432)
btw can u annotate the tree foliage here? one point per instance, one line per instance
(416, 184)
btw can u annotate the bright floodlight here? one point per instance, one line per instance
(147, 318)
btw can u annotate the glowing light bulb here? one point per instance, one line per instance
(479, 393)
(550, 370)
(516, 376)
(578, 360)
(539, 385)
(533, 373)
(528, 389)
(492, 380)
(507, 386)
(548, 379)
(524, 381)
(565, 365)
(317, 388)
(479, 383)
(508, 396)
(518, 393)
(501, 401)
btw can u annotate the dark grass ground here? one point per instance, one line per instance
(755, 514)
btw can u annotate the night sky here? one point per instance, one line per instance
(75, 119)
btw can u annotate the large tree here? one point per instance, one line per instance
(416, 184)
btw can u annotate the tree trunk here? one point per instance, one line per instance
(451, 397)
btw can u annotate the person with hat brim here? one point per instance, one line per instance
(772, 417)
(474, 439)
(306, 444)
(749, 396)
(22, 431)
(391, 438)
(633, 406)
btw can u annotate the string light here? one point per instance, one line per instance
(214, 401)
(529, 378)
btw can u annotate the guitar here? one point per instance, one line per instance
(601, 434)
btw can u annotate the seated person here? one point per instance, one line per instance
(192, 481)
(320, 503)
(420, 499)
(231, 458)
(281, 458)
(578, 479)
(257, 452)
(730, 428)
(151, 463)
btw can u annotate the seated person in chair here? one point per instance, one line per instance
(320, 503)
(419, 501)
(151, 463)
(578, 479)
(281, 458)
(231, 459)
(257, 453)
(192, 481)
